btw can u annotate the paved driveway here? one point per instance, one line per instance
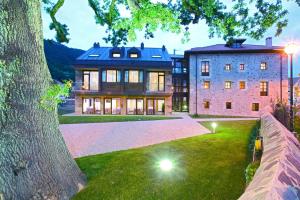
(95, 138)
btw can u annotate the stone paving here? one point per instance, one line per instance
(94, 138)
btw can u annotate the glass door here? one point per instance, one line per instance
(116, 106)
(107, 106)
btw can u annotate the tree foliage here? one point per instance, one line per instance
(226, 21)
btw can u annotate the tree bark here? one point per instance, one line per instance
(34, 160)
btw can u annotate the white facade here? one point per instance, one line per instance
(241, 100)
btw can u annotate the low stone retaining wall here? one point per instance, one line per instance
(278, 176)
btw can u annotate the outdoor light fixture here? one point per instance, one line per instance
(259, 143)
(290, 50)
(214, 126)
(165, 165)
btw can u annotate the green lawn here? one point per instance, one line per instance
(297, 125)
(109, 118)
(216, 116)
(206, 167)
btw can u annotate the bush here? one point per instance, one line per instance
(250, 171)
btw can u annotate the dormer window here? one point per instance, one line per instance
(116, 52)
(133, 55)
(116, 55)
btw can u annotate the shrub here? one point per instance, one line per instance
(250, 171)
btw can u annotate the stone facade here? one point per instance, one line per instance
(241, 99)
(278, 176)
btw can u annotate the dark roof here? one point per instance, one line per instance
(176, 56)
(101, 55)
(245, 48)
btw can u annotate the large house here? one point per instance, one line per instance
(123, 80)
(236, 78)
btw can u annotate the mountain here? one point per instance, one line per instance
(60, 59)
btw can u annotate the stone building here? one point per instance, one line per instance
(236, 79)
(120, 81)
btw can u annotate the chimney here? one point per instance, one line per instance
(142, 45)
(269, 41)
(163, 48)
(96, 45)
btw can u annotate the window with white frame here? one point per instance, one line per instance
(228, 84)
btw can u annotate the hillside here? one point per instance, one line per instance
(59, 59)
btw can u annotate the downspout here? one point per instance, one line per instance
(196, 84)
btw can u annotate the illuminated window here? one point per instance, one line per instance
(264, 88)
(116, 55)
(111, 76)
(156, 56)
(228, 67)
(228, 105)
(228, 84)
(90, 80)
(156, 81)
(135, 106)
(206, 104)
(133, 55)
(205, 68)
(263, 65)
(134, 76)
(242, 67)
(255, 106)
(206, 84)
(242, 85)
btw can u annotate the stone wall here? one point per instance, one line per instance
(278, 176)
(241, 99)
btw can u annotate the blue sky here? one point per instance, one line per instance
(84, 32)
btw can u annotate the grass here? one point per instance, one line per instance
(109, 118)
(216, 116)
(206, 167)
(297, 126)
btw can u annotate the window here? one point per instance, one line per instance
(206, 84)
(156, 56)
(177, 69)
(94, 55)
(264, 88)
(155, 106)
(90, 80)
(255, 106)
(111, 76)
(242, 85)
(228, 84)
(206, 104)
(228, 105)
(112, 106)
(134, 76)
(91, 106)
(242, 67)
(135, 106)
(133, 55)
(156, 81)
(116, 55)
(204, 68)
(263, 65)
(228, 67)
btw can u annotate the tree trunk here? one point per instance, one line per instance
(34, 160)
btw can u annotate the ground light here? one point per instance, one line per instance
(165, 165)
(214, 126)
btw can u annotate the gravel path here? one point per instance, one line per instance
(95, 138)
